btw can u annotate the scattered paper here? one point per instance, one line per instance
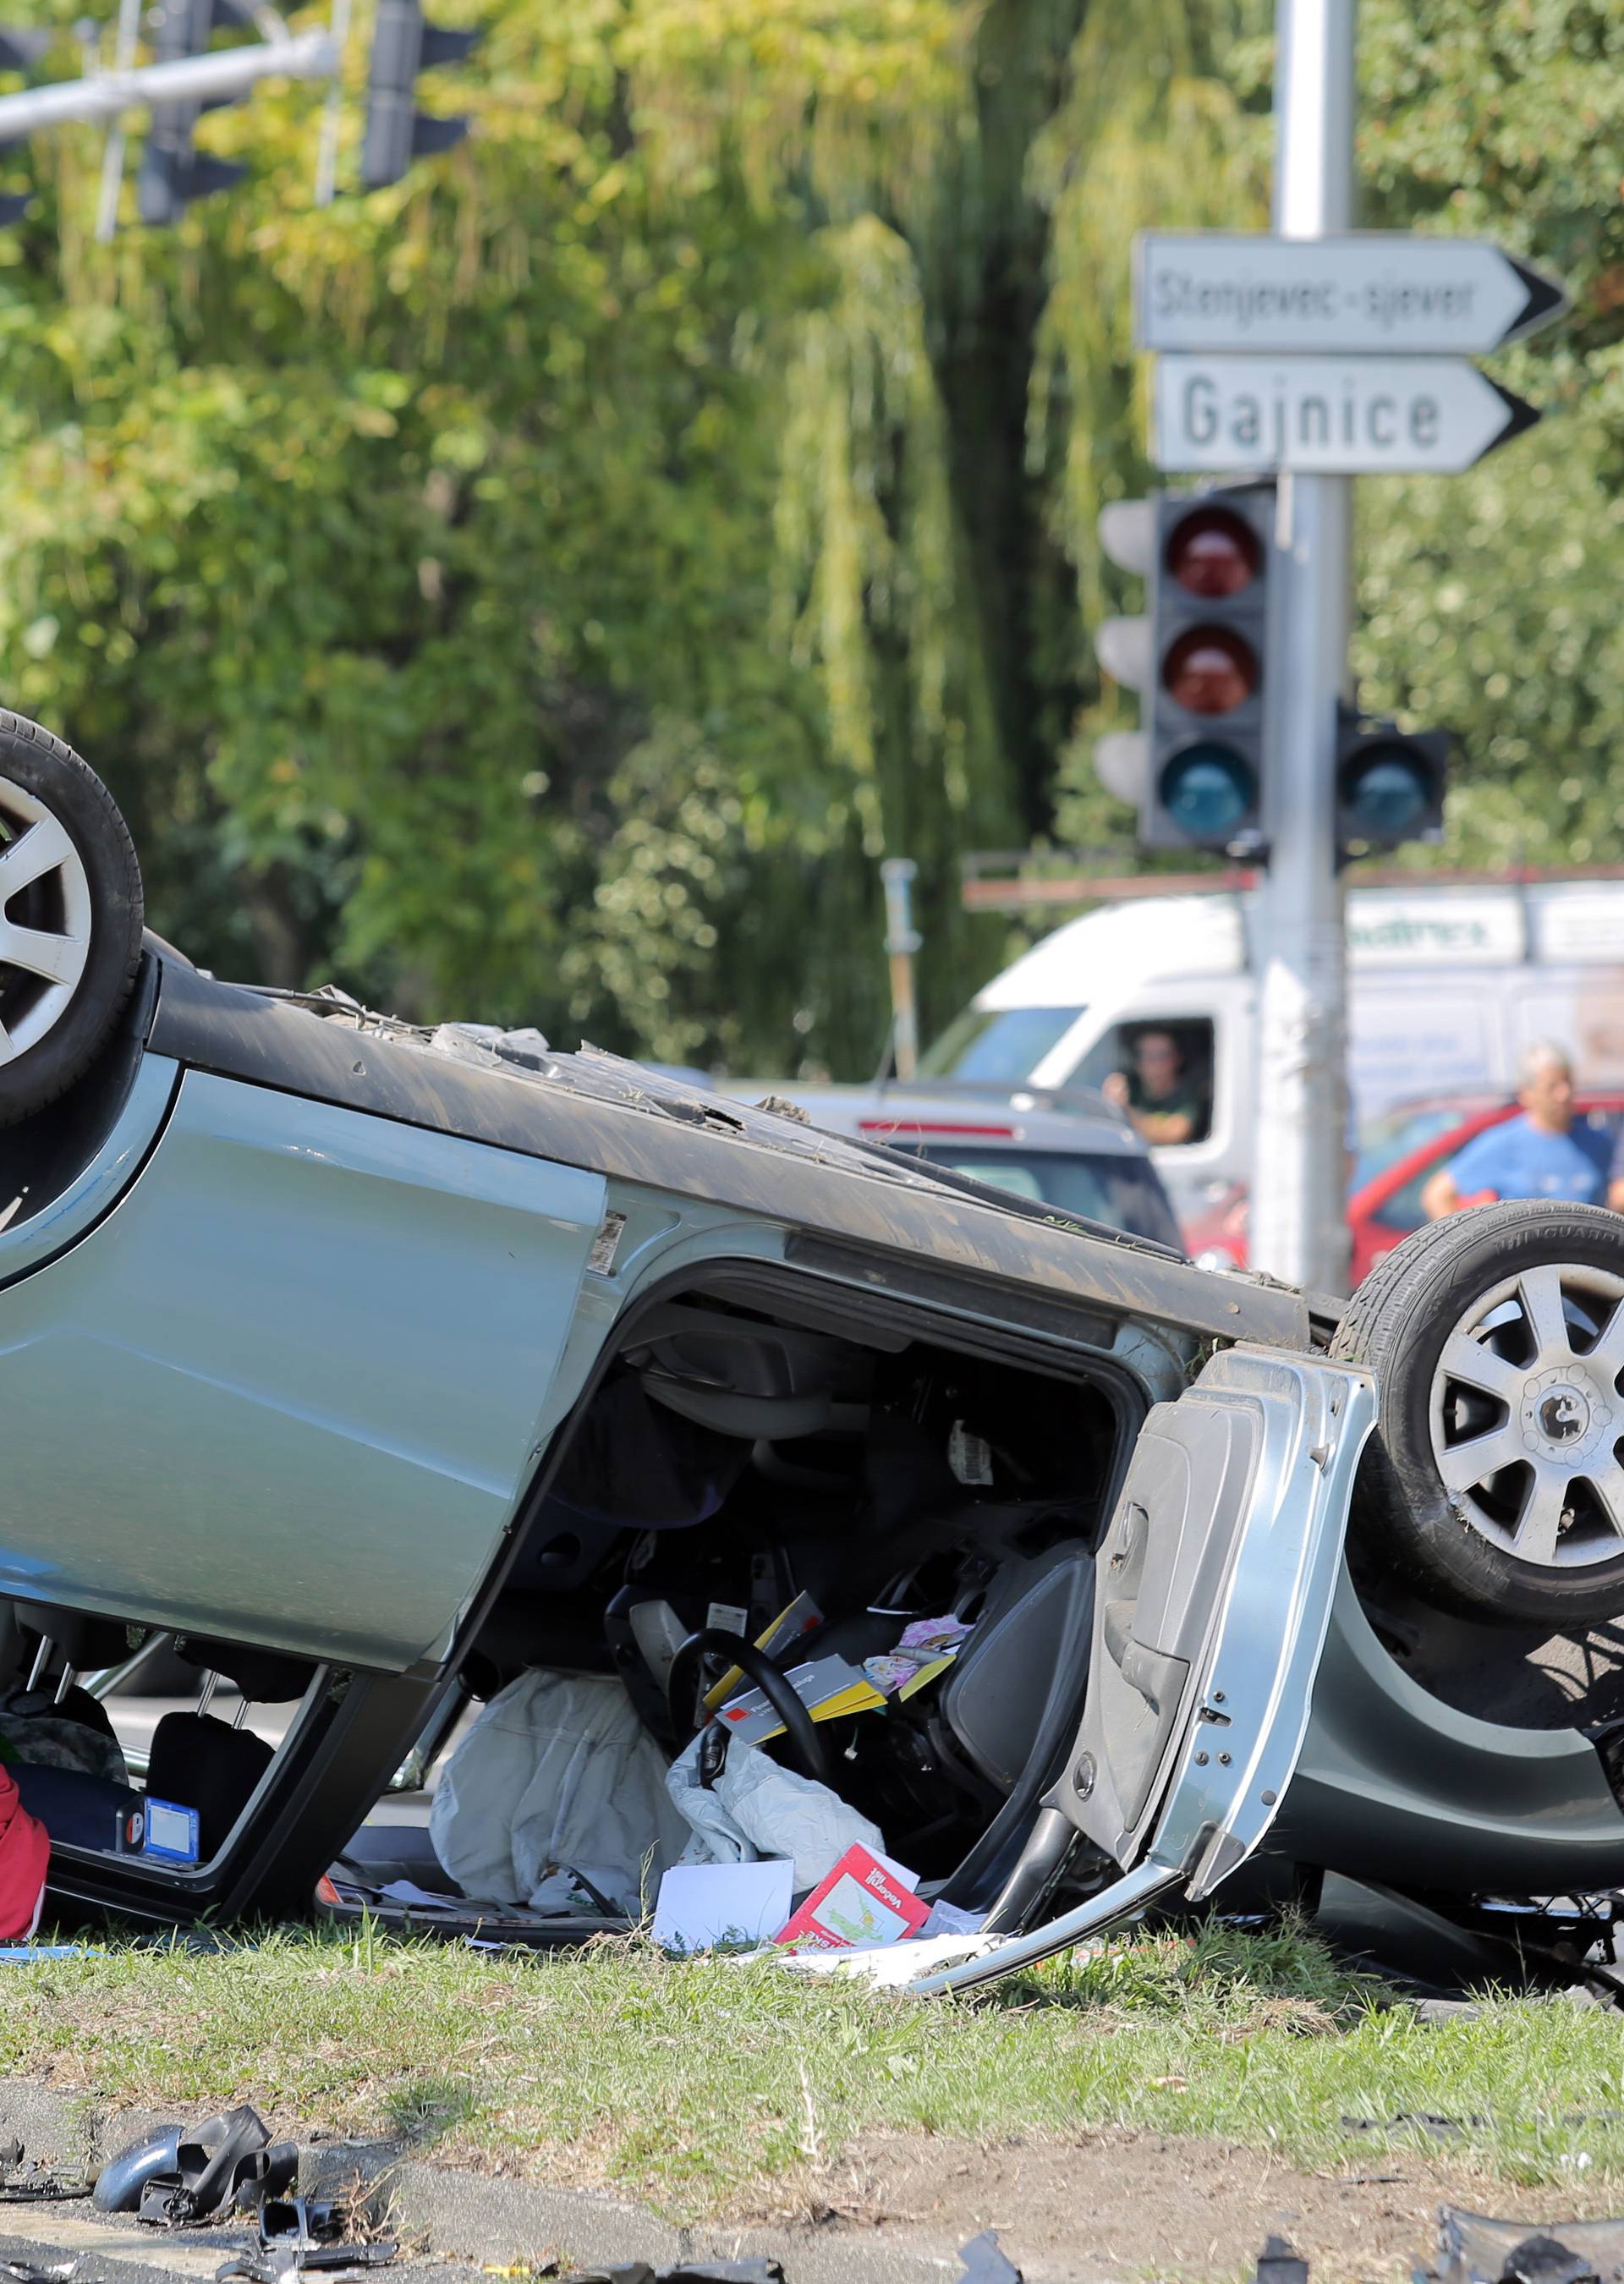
(948, 1919)
(703, 1904)
(930, 1637)
(792, 1623)
(419, 1899)
(860, 1901)
(829, 1687)
(888, 1673)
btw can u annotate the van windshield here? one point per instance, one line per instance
(1001, 1046)
(1122, 1191)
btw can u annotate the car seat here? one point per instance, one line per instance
(199, 1761)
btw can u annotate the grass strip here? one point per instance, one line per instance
(711, 2086)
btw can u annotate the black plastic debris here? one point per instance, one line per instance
(1474, 2250)
(985, 2261)
(31, 2272)
(227, 2164)
(123, 2178)
(1416, 2121)
(296, 2224)
(758, 2269)
(280, 2263)
(1279, 2263)
(33, 2185)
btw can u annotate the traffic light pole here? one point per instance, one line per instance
(194, 78)
(1298, 1230)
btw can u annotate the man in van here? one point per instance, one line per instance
(1537, 1155)
(1162, 1105)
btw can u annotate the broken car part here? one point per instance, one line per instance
(224, 2164)
(119, 2183)
(277, 2263)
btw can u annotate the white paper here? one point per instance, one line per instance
(702, 1903)
(948, 1919)
(407, 1892)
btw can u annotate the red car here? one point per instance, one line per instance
(1402, 1152)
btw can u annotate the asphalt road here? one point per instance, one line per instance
(121, 2252)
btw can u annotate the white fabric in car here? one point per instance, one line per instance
(757, 1809)
(557, 1775)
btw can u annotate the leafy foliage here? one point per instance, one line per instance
(544, 589)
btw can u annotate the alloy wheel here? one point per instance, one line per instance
(1527, 1418)
(45, 921)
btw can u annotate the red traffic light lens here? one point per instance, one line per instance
(1210, 671)
(1214, 552)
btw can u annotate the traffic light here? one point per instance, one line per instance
(22, 46)
(396, 131)
(1390, 782)
(172, 172)
(1196, 769)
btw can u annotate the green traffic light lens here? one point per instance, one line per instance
(1209, 791)
(1386, 794)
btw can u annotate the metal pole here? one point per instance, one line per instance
(1298, 1227)
(112, 158)
(194, 78)
(333, 112)
(902, 942)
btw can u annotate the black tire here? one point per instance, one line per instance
(1562, 1422)
(64, 1023)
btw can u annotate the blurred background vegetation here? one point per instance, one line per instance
(543, 591)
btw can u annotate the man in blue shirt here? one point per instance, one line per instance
(1537, 1155)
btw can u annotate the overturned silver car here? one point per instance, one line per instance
(355, 1371)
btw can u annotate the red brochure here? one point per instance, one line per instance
(859, 1902)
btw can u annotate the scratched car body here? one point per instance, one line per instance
(356, 1367)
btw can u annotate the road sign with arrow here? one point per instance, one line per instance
(1371, 294)
(1329, 416)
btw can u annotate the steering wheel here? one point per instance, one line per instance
(805, 1746)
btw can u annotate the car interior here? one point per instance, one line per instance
(743, 1445)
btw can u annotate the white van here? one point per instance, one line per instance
(1446, 986)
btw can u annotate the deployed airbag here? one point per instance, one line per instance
(756, 1808)
(557, 1775)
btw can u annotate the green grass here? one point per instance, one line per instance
(710, 2085)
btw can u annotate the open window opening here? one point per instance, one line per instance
(747, 1452)
(132, 1742)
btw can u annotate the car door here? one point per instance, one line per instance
(288, 1389)
(1213, 1594)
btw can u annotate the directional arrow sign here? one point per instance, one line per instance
(1377, 294)
(1329, 416)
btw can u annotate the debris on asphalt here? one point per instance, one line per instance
(31, 2272)
(176, 2176)
(1279, 2264)
(34, 2185)
(121, 2180)
(1474, 2250)
(281, 2261)
(758, 2270)
(985, 2261)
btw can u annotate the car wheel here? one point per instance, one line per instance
(70, 917)
(1495, 1480)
